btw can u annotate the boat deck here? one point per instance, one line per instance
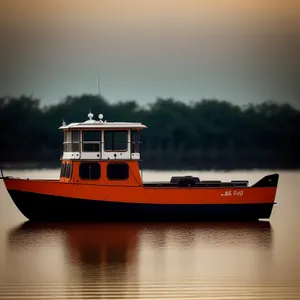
(201, 184)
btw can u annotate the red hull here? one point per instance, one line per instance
(55, 200)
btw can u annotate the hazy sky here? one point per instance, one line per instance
(237, 50)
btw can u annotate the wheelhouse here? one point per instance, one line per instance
(94, 145)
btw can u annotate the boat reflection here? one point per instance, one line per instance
(95, 256)
(87, 244)
(118, 243)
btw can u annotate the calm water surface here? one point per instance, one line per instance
(153, 260)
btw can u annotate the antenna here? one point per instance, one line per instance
(98, 83)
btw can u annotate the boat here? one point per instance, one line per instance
(100, 180)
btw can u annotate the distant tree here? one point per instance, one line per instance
(204, 134)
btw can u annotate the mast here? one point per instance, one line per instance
(98, 82)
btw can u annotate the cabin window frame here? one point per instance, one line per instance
(75, 141)
(62, 171)
(66, 170)
(90, 142)
(135, 143)
(113, 143)
(69, 142)
(69, 170)
(90, 163)
(117, 163)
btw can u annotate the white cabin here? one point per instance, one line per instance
(101, 140)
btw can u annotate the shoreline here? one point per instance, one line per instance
(143, 166)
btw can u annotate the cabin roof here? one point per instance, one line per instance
(104, 125)
(93, 124)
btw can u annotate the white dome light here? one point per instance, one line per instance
(90, 115)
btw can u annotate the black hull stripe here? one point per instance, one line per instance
(54, 208)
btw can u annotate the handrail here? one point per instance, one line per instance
(100, 143)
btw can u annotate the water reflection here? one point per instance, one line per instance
(95, 244)
(115, 259)
(187, 235)
(101, 254)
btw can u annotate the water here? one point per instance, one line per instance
(153, 261)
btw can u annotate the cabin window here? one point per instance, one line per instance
(115, 140)
(66, 170)
(71, 170)
(75, 141)
(89, 171)
(135, 141)
(62, 171)
(117, 171)
(91, 141)
(67, 141)
(71, 141)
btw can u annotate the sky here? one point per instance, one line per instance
(235, 50)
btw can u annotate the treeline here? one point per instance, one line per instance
(207, 134)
